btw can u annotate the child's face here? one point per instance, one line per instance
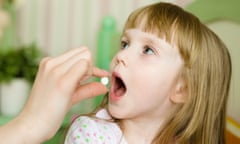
(144, 74)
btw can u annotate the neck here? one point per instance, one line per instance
(140, 131)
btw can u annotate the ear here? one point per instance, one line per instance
(180, 92)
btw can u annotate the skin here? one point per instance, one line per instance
(149, 67)
(57, 87)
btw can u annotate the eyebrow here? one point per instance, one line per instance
(149, 41)
(145, 39)
(125, 35)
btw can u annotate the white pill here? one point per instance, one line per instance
(104, 80)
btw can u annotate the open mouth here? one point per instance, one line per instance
(118, 86)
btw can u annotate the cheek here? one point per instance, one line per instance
(149, 94)
(112, 64)
(152, 82)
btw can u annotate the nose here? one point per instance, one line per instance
(121, 58)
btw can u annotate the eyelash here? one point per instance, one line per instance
(123, 44)
(146, 48)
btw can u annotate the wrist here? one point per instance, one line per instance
(31, 132)
(27, 130)
(20, 131)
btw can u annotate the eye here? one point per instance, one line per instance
(124, 44)
(149, 51)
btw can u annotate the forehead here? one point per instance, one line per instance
(145, 38)
(136, 33)
(140, 34)
(152, 20)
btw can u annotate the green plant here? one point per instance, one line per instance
(8, 1)
(20, 63)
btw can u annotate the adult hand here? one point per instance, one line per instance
(56, 88)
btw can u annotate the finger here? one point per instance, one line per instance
(48, 64)
(61, 58)
(82, 69)
(88, 91)
(42, 64)
(99, 72)
(94, 71)
(76, 73)
(71, 61)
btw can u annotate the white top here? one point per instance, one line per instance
(99, 130)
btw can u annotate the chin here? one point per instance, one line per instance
(116, 112)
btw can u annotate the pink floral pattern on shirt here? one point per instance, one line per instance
(88, 130)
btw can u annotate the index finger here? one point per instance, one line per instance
(99, 72)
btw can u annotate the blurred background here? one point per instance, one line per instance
(32, 29)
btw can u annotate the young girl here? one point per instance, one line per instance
(169, 84)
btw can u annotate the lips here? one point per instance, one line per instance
(118, 87)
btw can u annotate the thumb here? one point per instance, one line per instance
(89, 90)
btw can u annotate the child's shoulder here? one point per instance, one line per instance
(96, 129)
(92, 122)
(101, 118)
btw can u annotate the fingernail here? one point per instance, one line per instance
(107, 72)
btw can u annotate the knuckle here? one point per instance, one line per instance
(87, 54)
(83, 47)
(44, 60)
(45, 63)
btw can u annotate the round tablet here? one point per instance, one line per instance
(104, 80)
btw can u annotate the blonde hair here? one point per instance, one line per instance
(207, 73)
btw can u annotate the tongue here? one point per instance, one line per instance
(120, 91)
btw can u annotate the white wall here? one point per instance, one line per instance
(57, 25)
